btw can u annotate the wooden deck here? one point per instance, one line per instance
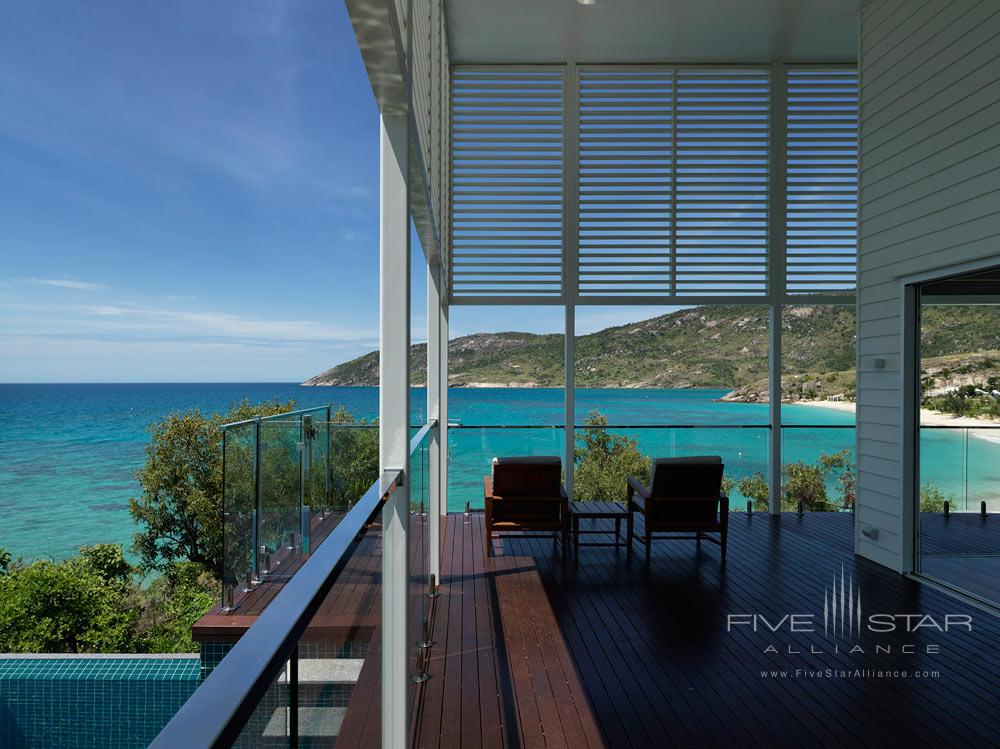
(533, 650)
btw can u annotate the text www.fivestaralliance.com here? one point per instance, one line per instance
(857, 673)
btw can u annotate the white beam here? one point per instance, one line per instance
(394, 416)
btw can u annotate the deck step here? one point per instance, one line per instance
(326, 671)
(318, 722)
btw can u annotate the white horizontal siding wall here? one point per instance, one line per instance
(929, 199)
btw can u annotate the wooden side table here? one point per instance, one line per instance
(597, 511)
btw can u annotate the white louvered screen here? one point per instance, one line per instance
(674, 168)
(507, 183)
(625, 173)
(722, 182)
(822, 173)
(673, 182)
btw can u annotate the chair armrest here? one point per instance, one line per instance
(488, 487)
(635, 486)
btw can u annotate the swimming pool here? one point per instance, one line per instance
(83, 702)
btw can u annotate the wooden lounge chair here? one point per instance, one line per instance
(684, 497)
(526, 494)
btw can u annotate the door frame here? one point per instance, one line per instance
(910, 294)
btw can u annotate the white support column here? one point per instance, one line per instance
(437, 490)
(776, 275)
(394, 417)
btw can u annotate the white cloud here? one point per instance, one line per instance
(86, 359)
(180, 322)
(69, 283)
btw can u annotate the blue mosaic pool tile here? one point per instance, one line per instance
(85, 703)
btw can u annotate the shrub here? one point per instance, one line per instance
(78, 605)
(754, 487)
(604, 462)
(932, 498)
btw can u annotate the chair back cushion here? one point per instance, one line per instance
(529, 476)
(686, 489)
(529, 488)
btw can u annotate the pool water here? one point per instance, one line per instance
(84, 702)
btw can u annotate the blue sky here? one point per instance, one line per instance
(188, 192)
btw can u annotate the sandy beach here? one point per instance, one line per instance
(927, 418)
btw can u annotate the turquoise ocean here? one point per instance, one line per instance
(68, 452)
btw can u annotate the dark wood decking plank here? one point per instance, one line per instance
(529, 731)
(451, 717)
(613, 699)
(577, 722)
(427, 732)
(726, 670)
(789, 592)
(920, 712)
(673, 713)
(471, 715)
(523, 585)
(494, 719)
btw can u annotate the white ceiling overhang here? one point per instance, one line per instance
(637, 31)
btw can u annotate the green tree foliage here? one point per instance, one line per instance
(932, 499)
(78, 605)
(806, 484)
(754, 487)
(172, 604)
(605, 461)
(353, 458)
(179, 511)
(94, 603)
(976, 400)
(841, 465)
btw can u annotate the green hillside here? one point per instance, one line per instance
(720, 347)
